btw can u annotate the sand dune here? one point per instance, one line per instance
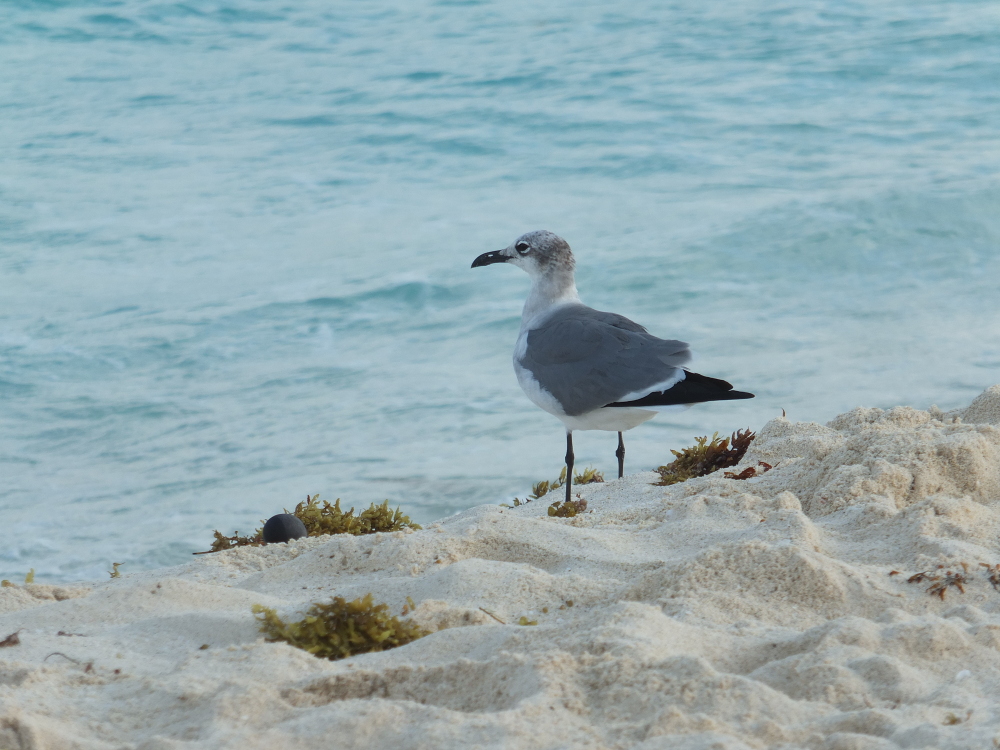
(716, 613)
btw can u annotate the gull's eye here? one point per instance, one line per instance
(522, 247)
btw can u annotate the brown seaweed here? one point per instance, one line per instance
(705, 457)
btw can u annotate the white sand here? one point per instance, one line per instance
(712, 614)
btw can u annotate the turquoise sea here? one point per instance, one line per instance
(235, 240)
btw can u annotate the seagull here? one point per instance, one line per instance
(593, 370)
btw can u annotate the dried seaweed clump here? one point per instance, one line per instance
(992, 574)
(326, 519)
(340, 628)
(30, 578)
(705, 457)
(228, 542)
(589, 475)
(750, 472)
(941, 579)
(567, 509)
(330, 519)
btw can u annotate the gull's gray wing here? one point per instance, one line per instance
(587, 359)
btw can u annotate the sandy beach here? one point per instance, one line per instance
(772, 612)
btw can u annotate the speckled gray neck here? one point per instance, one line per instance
(554, 283)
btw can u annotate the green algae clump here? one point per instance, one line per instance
(340, 628)
(325, 519)
(330, 519)
(589, 475)
(706, 456)
(228, 542)
(567, 509)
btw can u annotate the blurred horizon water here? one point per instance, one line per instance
(235, 241)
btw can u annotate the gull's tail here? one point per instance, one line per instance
(694, 389)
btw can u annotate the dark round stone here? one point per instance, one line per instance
(282, 527)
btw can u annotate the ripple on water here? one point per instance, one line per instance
(235, 241)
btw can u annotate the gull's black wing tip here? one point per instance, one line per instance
(694, 389)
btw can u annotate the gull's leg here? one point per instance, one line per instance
(621, 456)
(569, 465)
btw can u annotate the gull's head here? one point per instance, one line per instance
(539, 253)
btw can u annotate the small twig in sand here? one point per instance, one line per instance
(88, 667)
(493, 616)
(60, 653)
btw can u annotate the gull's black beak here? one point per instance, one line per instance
(487, 259)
